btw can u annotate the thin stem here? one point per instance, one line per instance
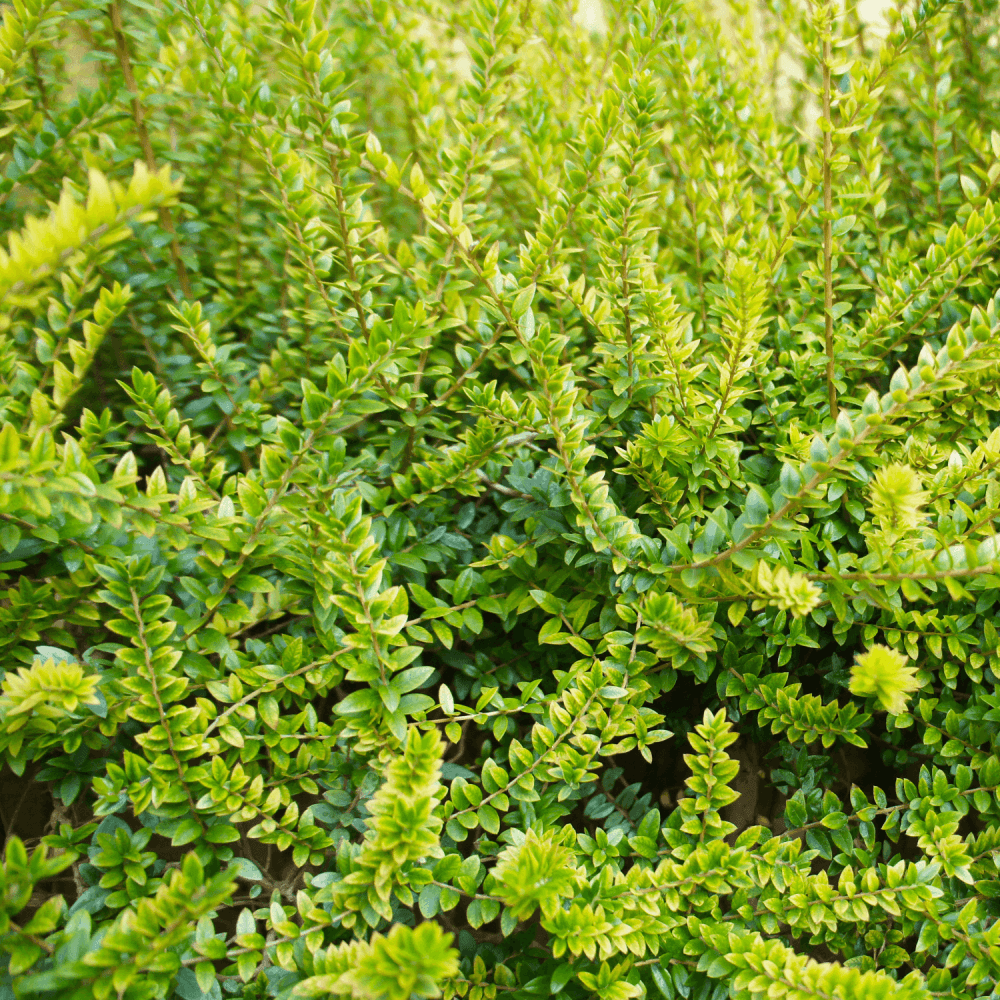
(142, 133)
(831, 387)
(934, 128)
(10, 824)
(39, 79)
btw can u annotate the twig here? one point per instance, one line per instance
(502, 490)
(831, 387)
(166, 219)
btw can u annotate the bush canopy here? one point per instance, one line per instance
(494, 505)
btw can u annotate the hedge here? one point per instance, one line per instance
(496, 505)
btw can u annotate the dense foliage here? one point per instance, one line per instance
(494, 508)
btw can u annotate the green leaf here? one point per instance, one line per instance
(267, 709)
(10, 537)
(205, 973)
(428, 901)
(358, 703)
(188, 830)
(758, 506)
(844, 225)
(795, 814)
(221, 833)
(10, 446)
(562, 975)
(664, 982)
(472, 620)
(522, 301)
(488, 819)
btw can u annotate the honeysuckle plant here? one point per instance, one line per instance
(498, 499)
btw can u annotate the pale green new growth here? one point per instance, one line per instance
(46, 690)
(44, 245)
(883, 672)
(405, 964)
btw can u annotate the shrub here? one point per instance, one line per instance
(497, 509)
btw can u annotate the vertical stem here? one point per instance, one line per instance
(142, 133)
(626, 296)
(39, 81)
(283, 304)
(831, 387)
(693, 211)
(239, 217)
(932, 62)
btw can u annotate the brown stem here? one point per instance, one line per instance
(142, 133)
(693, 210)
(934, 129)
(39, 81)
(10, 823)
(831, 388)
